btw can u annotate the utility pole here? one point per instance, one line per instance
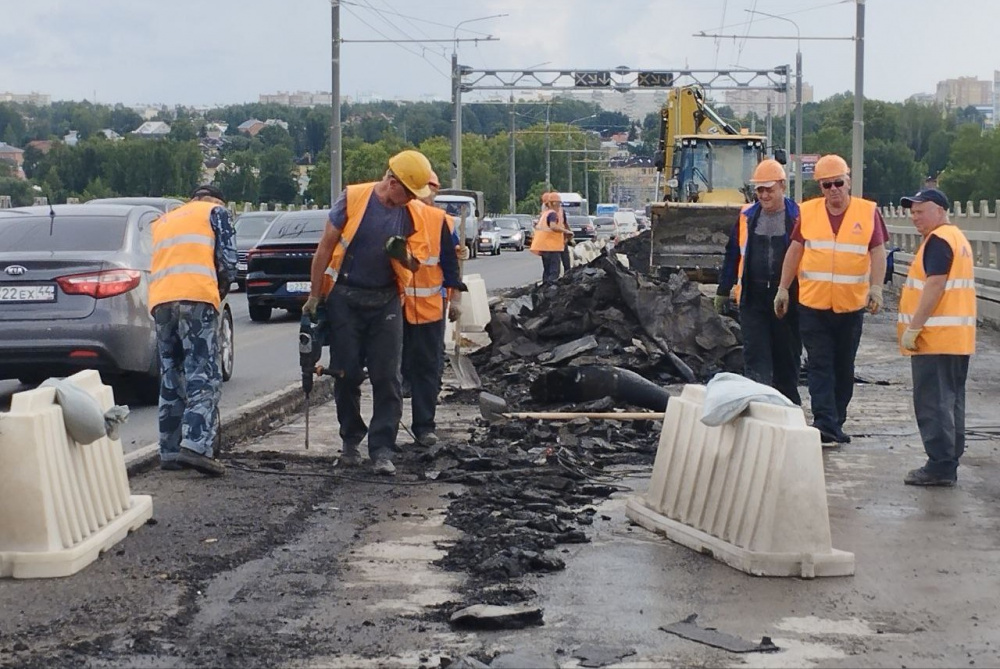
(858, 143)
(456, 122)
(336, 147)
(548, 152)
(513, 174)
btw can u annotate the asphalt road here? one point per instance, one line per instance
(267, 353)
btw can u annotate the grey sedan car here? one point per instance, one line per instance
(74, 288)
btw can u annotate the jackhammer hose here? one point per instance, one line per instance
(583, 384)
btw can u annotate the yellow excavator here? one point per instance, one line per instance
(707, 164)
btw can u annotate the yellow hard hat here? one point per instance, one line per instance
(829, 166)
(768, 173)
(413, 170)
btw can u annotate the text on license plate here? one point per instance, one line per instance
(27, 293)
(298, 286)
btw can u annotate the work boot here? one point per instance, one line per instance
(385, 467)
(828, 439)
(350, 457)
(843, 437)
(200, 463)
(426, 438)
(171, 465)
(922, 477)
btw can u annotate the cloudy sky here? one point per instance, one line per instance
(230, 51)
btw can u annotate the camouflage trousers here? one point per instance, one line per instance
(187, 339)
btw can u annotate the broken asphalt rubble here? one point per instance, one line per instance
(602, 338)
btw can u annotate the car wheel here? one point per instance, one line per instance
(259, 314)
(227, 348)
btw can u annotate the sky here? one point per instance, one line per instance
(217, 52)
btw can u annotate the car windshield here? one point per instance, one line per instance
(252, 227)
(508, 223)
(605, 223)
(488, 226)
(62, 233)
(292, 227)
(456, 209)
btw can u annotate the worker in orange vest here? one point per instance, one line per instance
(838, 254)
(550, 236)
(434, 290)
(937, 330)
(193, 266)
(363, 262)
(750, 274)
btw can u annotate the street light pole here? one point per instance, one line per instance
(336, 148)
(797, 163)
(513, 174)
(858, 141)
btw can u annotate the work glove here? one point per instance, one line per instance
(874, 299)
(909, 338)
(781, 302)
(395, 248)
(454, 312)
(719, 302)
(311, 305)
(462, 252)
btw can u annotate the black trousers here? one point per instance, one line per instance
(423, 363)
(831, 342)
(939, 404)
(366, 333)
(772, 347)
(550, 266)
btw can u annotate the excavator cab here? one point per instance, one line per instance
(714, 168)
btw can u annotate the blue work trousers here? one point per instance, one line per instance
(187, 340)
(939, 404)
(551, 261)
(831, 341)
(423, 364)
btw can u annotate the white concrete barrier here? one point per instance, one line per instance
(750, 493)
(61, 503)
(475, 305)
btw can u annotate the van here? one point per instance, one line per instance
(628, 224)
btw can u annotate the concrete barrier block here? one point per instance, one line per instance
(475, 305)
(751, 493)
(61, 503)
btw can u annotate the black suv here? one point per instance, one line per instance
(278, 266)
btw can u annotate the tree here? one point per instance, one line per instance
(237, 177)
(182, 130)
(276, 181)
(973, 171)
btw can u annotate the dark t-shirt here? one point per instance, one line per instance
(938, 256)
(366, 264)
(879, 235)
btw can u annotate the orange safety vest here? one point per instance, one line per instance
(422, 298)
(546, 239)
(834, 271)
(744, 237)
(183, 265)
(357, 202)
(951, 327)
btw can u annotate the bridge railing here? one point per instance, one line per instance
(981, 227)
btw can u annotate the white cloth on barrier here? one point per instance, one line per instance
(727, 395)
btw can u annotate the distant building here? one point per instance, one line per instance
(110, 134)
(71, 138)
(152, 130)
(43, 145)
(276, 122)
(215, 130)
(923, 99)
(964, 92)
(40, 99)
(297, 99)
(14, 156)
(251, 127)
(755, 100)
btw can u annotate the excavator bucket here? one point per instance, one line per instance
(691, 237)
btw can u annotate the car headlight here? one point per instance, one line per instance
(516, 235)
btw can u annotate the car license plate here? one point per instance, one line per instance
(27, 293)
(241, 266)
(298, 286)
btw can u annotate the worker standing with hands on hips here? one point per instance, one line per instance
(937, 330)
(364, 260)
(751, 273)
(194, 264)
(434, 289)
(550, 236)
(838, 253)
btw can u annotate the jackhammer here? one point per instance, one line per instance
(312, 338)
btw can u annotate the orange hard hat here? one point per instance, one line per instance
(768, 173)
(829, 166)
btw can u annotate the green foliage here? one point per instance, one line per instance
(21, 193)
(973, 171)
(277, 183)
(237, 177)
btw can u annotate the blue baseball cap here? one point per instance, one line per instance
(926, 195)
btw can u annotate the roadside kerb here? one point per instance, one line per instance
(253, 419)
